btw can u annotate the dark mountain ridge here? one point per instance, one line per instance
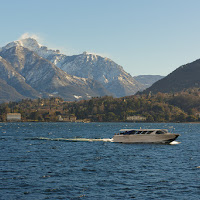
(184, 77)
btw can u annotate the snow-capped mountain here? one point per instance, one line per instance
(53, 56)
(33, 76)
(87, 65)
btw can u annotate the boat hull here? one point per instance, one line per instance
(156, 138)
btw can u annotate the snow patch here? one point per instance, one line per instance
(120, 78)
(55, 93)
(84, 79)
(89, 96)
(96, 54)
(78, 97)
(10, 45)
(105, 79)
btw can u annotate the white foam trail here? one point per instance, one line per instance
(77, 139)
(174, 142)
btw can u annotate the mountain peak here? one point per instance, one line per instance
(29, 42)
(85, 53)
(90, 56)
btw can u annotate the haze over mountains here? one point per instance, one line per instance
(148, 80)
(30, 70)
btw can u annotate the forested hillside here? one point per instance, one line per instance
(183, 78)
(177, 107)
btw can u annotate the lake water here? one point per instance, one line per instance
(35, 164)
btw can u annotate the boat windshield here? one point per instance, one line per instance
(129, 132)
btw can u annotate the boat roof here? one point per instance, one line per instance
(143, 130)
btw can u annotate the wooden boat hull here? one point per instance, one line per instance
(155, 138)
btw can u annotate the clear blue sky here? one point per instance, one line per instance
(144, 36)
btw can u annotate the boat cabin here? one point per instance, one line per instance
(142, 131)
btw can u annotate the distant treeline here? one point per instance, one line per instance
(174, 107)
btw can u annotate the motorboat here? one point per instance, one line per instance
(145, 136)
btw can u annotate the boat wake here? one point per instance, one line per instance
(174, 142)
(76, 139)
(83, 140)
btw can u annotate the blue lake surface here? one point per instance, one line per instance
(35, 165)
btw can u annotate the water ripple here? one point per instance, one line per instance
(49, 161)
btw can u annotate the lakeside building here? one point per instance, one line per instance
(136, 118)
(70, 118)
(13, 117)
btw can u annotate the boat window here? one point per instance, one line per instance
(128, 132)
(159, 132)
(132, 132)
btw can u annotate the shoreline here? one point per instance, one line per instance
(101, 122)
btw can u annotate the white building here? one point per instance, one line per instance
(136, 118)
(14, 117)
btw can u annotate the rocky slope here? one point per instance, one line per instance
(15, 80)
(8, 93)
(33, 76)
